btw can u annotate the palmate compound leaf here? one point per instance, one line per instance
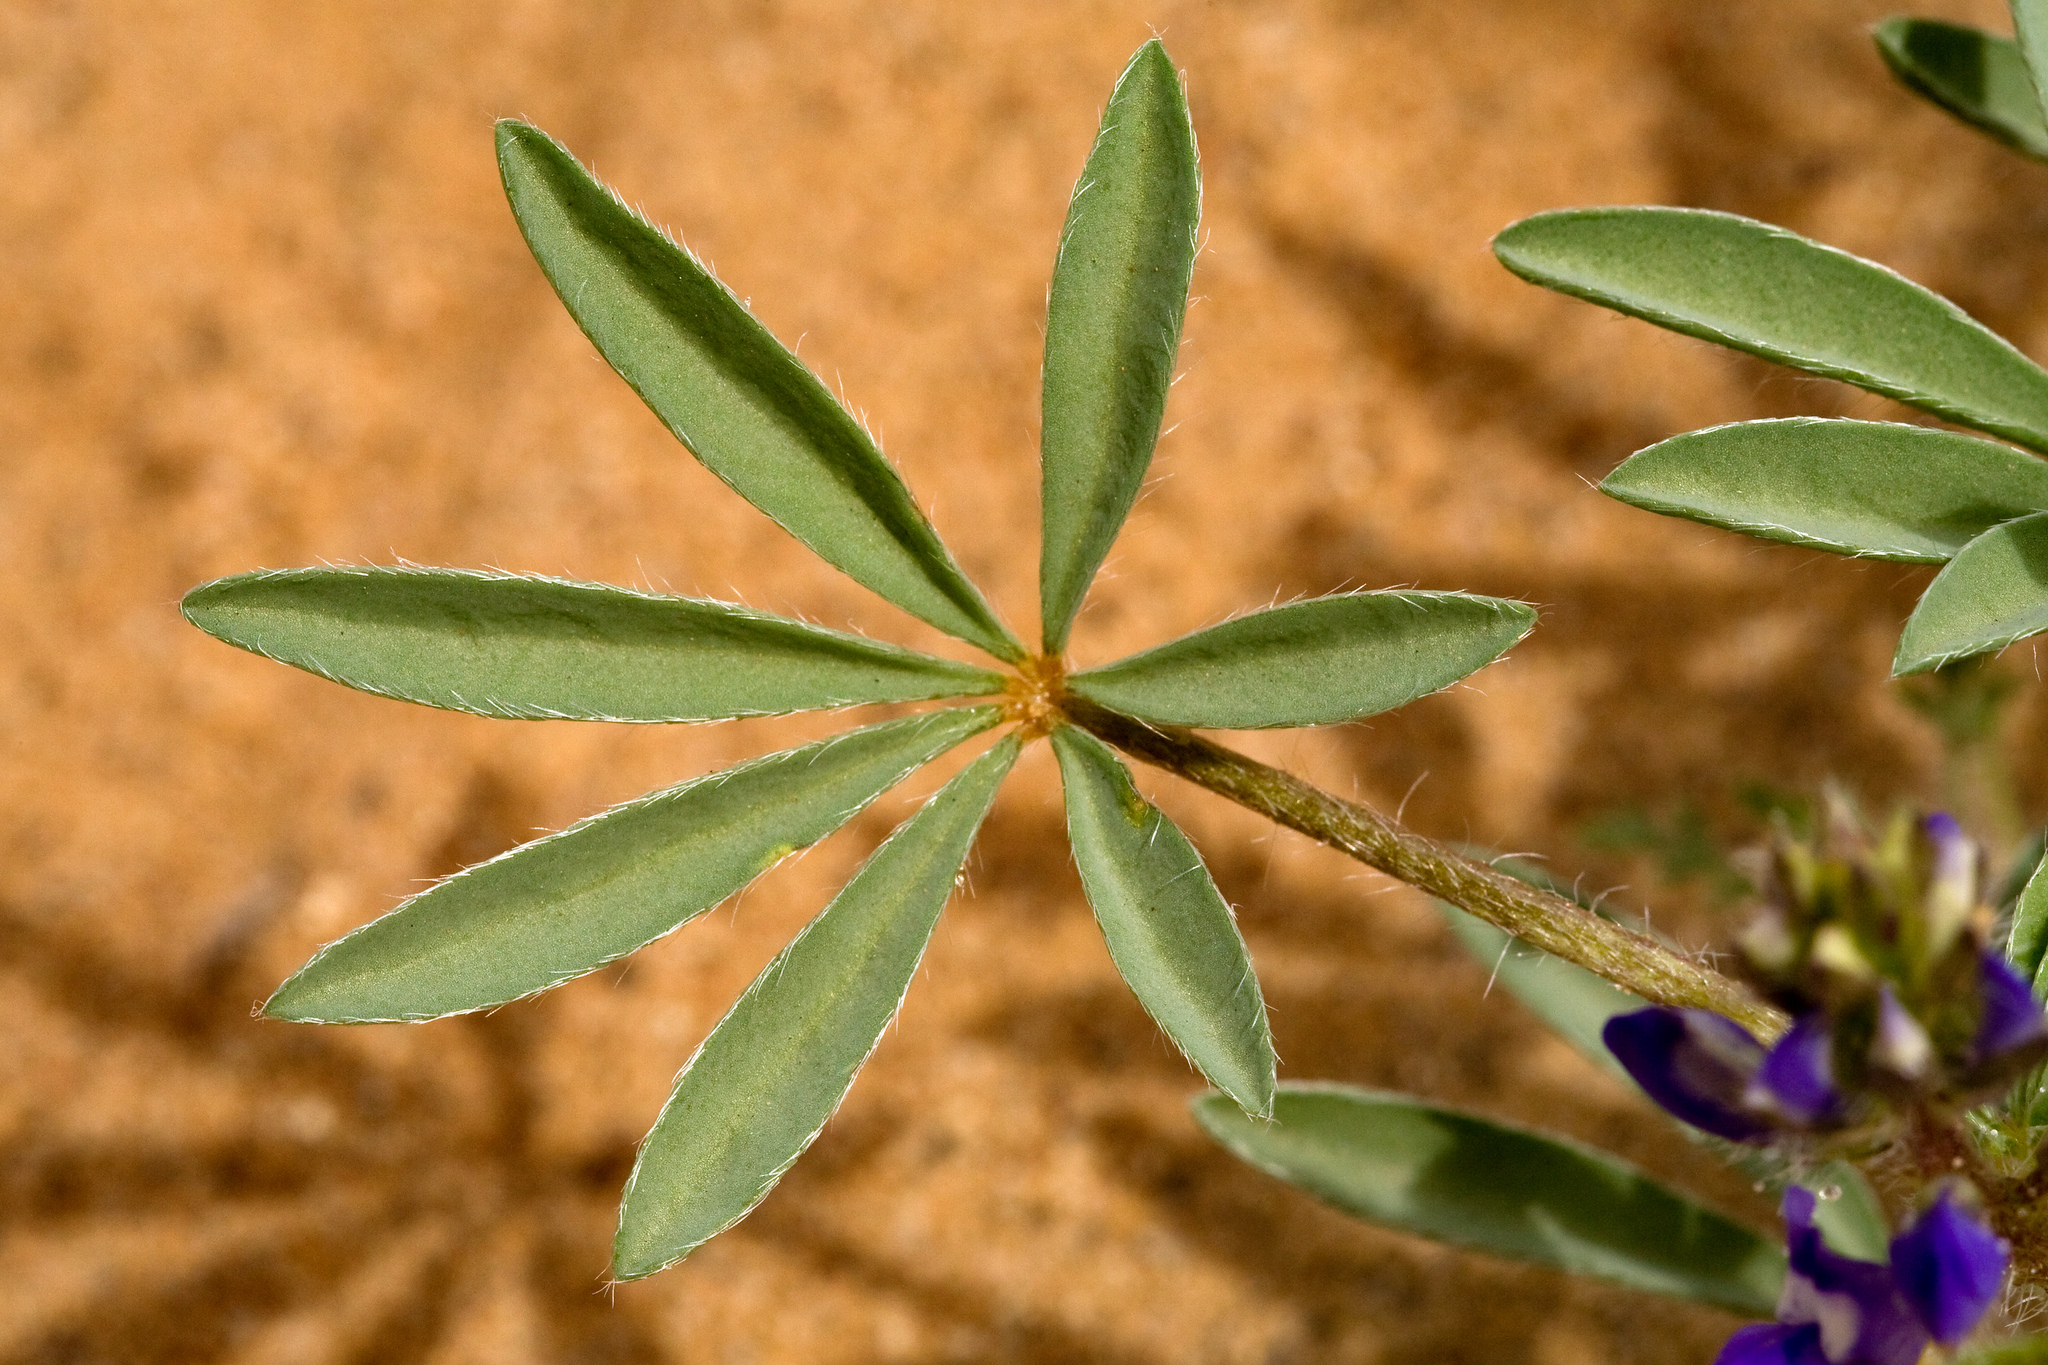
(567, 904)
(541, 648)
(1319, 662)
(1473, 1182)
(1993, 593)
(1979, 77)
(763, 1083)
(1169, 930)
(1113, 320)
(1884, 490)
(1772, 293)
(1577, 1004)
(741, 402)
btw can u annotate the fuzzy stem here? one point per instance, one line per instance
(1540, 918)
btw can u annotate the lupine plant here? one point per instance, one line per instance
(771, 1072)
(1913, 1041)
(1885, 1018)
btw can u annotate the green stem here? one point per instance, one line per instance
(1634, 962)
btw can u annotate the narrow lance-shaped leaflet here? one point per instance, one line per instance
(1772, 293)
(2027, 943)
(732, 393)
(1319, 662)
(773, 1070)
(1169, 930)
(2030, 25)
(1979, 77)
(567, 904)
(1472, 1182)
(1992, 594)
(2026, 947)
(1113, 320)
(1882, 490)
(530, 648)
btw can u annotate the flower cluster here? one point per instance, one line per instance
(1879, 948)
(1945, 1271)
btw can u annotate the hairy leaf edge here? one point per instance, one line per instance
(990, 682)
(990, 717)
(1009, 747)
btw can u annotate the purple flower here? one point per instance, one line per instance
(1713, 1073)
(1797, 1078)
(1949, 1266)
(1952, 881)
(1862, 1316)
(1695, 1063)
(1836, 1310)
(2012, 1018)
(1773, 1343)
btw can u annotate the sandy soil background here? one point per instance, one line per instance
(261, 304)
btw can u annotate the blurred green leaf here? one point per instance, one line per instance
(1475, 1183)
(1318, 662)
(2027, 945)
(730, 391)
(773, 1070)
(1979, 77)
(1964, 701)
(1994, 592)
(2030, 26)
(1681, 844)
(2020, 867)
(1770, 292)
(1883, 490)
(1169, 929)
(2026, 1350)
(1112, 326)
(1848, 1214)
(569, 903)
(541, 648)
(1570, 999)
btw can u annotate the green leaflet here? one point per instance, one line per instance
(766, 1079)
(1471, 1182)
(1995, 591)
(569, 903)
(1169, 929)
(1884, 490)
(1113, 319)
(1318, 662)
(2027, 944)
(1849, 1215)
(1764, 290)
(2030, 24)
(1977, 76)
(1573, 1001)
(541, 648)
(729, 390)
